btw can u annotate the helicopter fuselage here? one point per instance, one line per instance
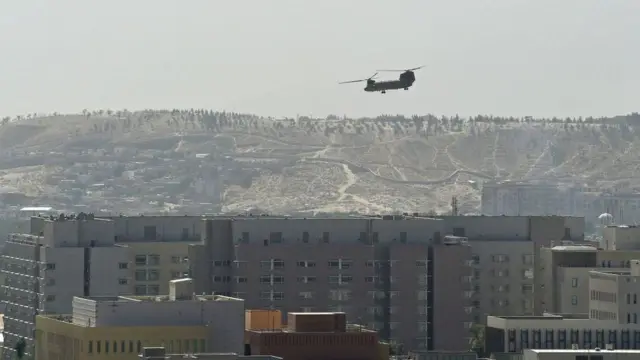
(405, 81)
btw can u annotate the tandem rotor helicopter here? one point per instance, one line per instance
(405, 81)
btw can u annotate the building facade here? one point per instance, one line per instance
(104, 327)
(380, 271)
(43, 272)
(383, 273)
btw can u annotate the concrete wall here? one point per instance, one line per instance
(452, 317)
(107, 277)
(168, 228)
(63, 282)
(572, 289)
(70, 233)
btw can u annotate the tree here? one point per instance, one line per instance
(20, 347)
(477, 339)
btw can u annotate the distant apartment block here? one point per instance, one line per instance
(530, 199)
(120, 327)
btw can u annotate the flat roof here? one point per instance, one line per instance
(570, 351)
(574, 248)
(36, 208)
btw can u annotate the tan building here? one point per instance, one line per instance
(620, 237)
(564, 272)
(118, 327)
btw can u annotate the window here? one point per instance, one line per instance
(306, 264)
(306, 295)
(500, 258)
(90, 347)
(130, 346)
(574, 282)
(123, 265)
(475, 259)
(153, 290)
(141, 260)
(140, 290)
(51, 266)
(275, 237)
(185, 233)
(241, 279)
(527, 259)
(51, 298)
(141, 275)
(122, 346)
(98, 346)
(150, 233)
(175, 259)
(153, 260)
(153, 275)
(421, 263)
(574, 300)
(123, 281)
(306, 279)
(115, 346)
(106, 347)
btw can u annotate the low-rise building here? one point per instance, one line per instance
(106, 326)
(319, 336)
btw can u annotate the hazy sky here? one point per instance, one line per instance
(279, 57)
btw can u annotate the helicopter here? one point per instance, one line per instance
(405, 81)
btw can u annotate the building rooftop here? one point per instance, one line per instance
(571, 351)
(160, 298)
(585, 248)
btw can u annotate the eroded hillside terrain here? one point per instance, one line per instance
(201, 161)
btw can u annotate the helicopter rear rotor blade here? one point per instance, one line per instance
(395, 70)
(355, 81)
(352, 81)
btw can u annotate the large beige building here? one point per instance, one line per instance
(388, 272)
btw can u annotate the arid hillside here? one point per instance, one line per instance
(388, 163)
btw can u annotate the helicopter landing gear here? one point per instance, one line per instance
(383, 92)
